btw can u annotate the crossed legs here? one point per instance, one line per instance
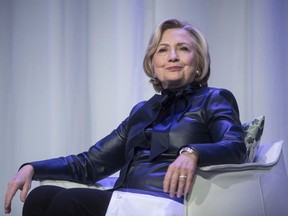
(52, 201)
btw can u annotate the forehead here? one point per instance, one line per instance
(176, 35)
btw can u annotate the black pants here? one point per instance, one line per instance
(57, 201)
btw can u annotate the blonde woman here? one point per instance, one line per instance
(157, 148)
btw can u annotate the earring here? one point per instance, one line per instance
(198, 74)
(154, 78)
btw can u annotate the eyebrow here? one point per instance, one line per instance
(178, 44)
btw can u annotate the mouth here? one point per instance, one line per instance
(174, 68)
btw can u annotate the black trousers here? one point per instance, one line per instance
(57, 201)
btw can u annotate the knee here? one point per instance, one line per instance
(64, 203)
(63, 198)
(38, 200)
(37, 195)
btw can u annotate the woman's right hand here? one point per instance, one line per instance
(21, 181)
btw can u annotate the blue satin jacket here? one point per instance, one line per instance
(149, 139)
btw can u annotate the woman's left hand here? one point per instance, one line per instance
(180, 173)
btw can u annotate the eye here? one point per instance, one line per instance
(184, 48)
(162, 50)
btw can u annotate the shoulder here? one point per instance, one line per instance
(148, 104)
(137, 107)
(214, 93)
(221, 98)
(220, 92)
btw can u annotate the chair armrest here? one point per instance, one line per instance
(267, 156)
(68, 184)
(258, 188)
(103, 184)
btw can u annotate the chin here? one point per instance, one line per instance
(175, 84)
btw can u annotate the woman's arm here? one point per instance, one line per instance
(225, 128)
(101, 160)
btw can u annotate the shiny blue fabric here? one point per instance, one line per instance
(149, 139)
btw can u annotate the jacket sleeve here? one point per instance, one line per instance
(101, 160)
(222, 120)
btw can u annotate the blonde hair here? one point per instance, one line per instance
(200, 45)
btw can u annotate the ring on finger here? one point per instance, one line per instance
(182, 177)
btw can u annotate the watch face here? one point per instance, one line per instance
(188, 149)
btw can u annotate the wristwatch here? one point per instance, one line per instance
(190, 150)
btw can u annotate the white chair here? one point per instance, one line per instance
(251, 189)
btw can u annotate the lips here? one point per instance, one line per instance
(174, 68)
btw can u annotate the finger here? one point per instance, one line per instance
(7, 209)
(188, 183)
(190, 178)
(181, 184)
(173, 184)
(24, 191)
(11, 191)
(7, 205)
(166, 181)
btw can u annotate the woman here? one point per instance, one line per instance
(158, 147)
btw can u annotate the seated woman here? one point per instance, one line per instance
(157, 148)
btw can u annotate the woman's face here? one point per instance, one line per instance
(174, 59)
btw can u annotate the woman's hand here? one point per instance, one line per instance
(180, 173)
(22, 181)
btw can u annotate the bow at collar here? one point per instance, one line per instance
(173, 105)
(177, 94)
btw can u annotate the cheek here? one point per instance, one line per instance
(157, 66)
(191, 63)
(191, 60)
(157, 62)
(191, 72)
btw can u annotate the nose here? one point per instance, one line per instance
(173, 56)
